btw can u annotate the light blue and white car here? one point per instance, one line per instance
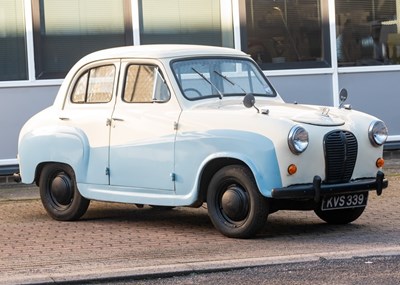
(179, 125)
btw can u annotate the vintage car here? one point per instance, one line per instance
(182, 125)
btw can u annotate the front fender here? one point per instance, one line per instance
(195, 150)
(53, 144)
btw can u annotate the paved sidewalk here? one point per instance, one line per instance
(114, 240)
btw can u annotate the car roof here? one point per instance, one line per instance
(161, 51)
(154, 51)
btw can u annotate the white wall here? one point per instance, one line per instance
(17, 105)
(376, 93)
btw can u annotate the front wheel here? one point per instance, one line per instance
(59, 193)
(235, 206)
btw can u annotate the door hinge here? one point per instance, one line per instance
(108, 122)
(107, 171)
(175, 126)
(173, 176)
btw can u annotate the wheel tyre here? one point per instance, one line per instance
(235, 206)
(341, 216)
(59, 193)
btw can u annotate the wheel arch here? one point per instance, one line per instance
(210, 169)
(40, 166)
(64, 145)
(265, 172)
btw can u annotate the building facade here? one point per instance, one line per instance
(309, 49)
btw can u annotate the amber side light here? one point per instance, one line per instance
(292, 169)
(380, 162)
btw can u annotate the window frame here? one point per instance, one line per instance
(256, 66)
(361, 35)
(325, 62)
(37, 41)
(227, 40)
(20, 70)
(86, 72)
(156, 71)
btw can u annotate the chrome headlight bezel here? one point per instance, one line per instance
(298, 139)
(377, 133)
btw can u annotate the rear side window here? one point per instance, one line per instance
(95, 85)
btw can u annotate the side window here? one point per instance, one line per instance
(95, 85)
(144, 84)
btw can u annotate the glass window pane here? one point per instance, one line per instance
(139, 84)
(101, 82)
(211, 77)
(66, 30)
(285, 31)
(185, 22)
(13, 61)
(95, 85)
(79, 94)
(368, 32)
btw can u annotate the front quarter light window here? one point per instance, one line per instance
(377, 133)
(298, 139)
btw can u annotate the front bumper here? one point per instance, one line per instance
(317, 189)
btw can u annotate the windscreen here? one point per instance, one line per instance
(201, 78)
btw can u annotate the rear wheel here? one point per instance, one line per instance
(59, 193)
(235, 206)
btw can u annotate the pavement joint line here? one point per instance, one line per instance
(201, 267)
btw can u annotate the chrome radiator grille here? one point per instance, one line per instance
(340, 156)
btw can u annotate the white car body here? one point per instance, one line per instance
(165, 152)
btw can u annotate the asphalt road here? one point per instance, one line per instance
(355, 271)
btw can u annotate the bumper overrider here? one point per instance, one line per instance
(317, 189)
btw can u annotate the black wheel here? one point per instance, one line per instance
(340, 216)
(59, 193)
(235, 206)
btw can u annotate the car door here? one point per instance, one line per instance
(143, 130)
(87, 111)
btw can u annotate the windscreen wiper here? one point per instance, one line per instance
(230, 81)
(249, 100)
(212, 84)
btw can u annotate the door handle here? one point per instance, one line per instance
(108, 122)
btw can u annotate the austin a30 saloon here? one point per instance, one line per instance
(180, 125)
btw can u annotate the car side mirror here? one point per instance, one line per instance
(249, 100)
(343, 97)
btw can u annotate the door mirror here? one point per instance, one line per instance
(249, 100)
(342, 97)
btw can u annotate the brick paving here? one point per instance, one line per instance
(118, 239)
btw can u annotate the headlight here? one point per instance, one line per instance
(298, 139)
(377, 133)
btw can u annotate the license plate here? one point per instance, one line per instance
(344, 201)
